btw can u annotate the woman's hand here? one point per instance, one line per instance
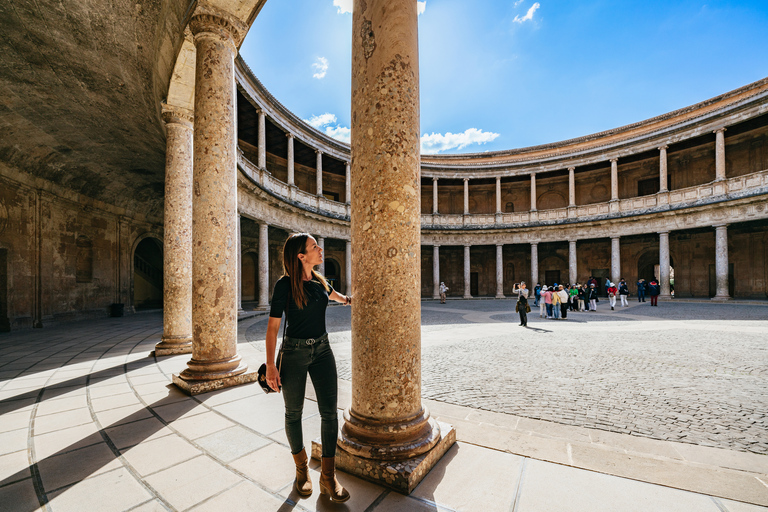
(273, 377)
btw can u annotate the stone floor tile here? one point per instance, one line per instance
(362, 493)
(20, 497)
(122, 493)
(201, 425)
(396, 502)
(25, 384)
(179, 410)
(14, 421)
(271, 466)
(121, 415)
(232, 443)
(231, 394)
(191, 482)
(13, 441)
(54, 392)
(243, 496)
(263, 416)
(111, 390)
(151, 378)
(24, 404)
(61, 420)
(492, 488)
(156, 455)
(737, 506)
(547, 486)
(72, 467)
(113, 402)
(66, 440)
(14, 466)
(61, 404)
(151, 506)
(130, 434)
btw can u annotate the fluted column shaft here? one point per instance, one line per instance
(467, 280)
(214, 205)
(262, 140)
(499, 271)
(319, 171)
(434, 195)
(436, 272)
(498, 194)
(534, 264)
(291, 178)
(263, 266)
(533, 192)
(720, 154)
(614, 179)
(466, 196)
(177, 235)
(663, 169)
(721, 262)
(615, 259)
(664, 265)
(571, 186)
(572, 262)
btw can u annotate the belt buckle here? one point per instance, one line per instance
(310, 341)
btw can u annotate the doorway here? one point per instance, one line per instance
(551, 277)
(474, 278)
(248, 276)
(333, 273)
(148, 274)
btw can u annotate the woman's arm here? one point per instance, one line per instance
(273, 376)
(344, 299)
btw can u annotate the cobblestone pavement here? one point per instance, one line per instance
(688, 372)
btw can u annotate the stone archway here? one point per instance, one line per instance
(147, 273)
(648, 268)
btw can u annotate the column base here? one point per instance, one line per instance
(197, 387)
(721, 298)
(402, 476)
(172, 345)
(500, 296)
(467, 297)
(666, 297)
(435, 297)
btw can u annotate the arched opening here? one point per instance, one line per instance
(648, 269)
(148, 274)
(333, 273)
(5, 323)
(248, 280)
(551, 200)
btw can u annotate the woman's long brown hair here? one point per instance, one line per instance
(293, 268)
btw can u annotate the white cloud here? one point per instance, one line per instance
(528, 15)
(344, 6)
(518, 2)
(327, 123)
(437, 142)
(421, 7)
(320, 67)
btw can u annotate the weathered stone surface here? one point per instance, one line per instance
(197, 387)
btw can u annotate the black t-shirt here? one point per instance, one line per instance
(308, 322)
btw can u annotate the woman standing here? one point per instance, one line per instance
(592, 297)
(302, 293)
(522, 303)
(563, 294)
(556, 301)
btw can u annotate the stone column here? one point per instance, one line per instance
(215, 362)
(347, 184)
(573, 275)
(177, 235)
(663, 169)
(467, 280)
(262, 140)
(721, 262)
(719, 154)
(321, 244)
(466, 196)
(263, 266)
(614, 179)
(348, 268)
(434, 195)
(499, 271)
(239, 267)
(664, 265)
(387, 436)
(534, 264)
(319, 171)
(571, 186)
(533, 192)
(436, 272)
(498, 194)
(615, 259)
(291, 179)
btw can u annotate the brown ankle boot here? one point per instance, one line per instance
(303, 483)
(328, 483)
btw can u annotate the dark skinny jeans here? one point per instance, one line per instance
(316, 360)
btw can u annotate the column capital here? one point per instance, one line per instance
(720, 130)
(663, 148)
(498, 178)
(319, 152)
(571, 169)
(436, 245)
(572, 240)
(614, 160)
(178, 115)
(664, 232)
(721, 226)
(499, 245)
(535, 243)
(434, 179)
(465, 179)
(289, 135)
(208, 19)
(615, 238)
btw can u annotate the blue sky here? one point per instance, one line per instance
(501, 75)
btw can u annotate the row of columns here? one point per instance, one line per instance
(291, 161)
(719, 176)
(721, 265)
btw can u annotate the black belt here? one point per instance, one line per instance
(305, 342)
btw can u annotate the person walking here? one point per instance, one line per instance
(592, 296)
(548, 301)
(522, 306)
(612, 291)
(302, 294)
(582, 296)
(655, 289)
(641, 290)
(623, 293)
(443, 289)
(556, 301)
(563, 294)
(536, 295)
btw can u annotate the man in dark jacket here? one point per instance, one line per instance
(623, 292)
(655, 289)
(641, 290)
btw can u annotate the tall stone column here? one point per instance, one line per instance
(533, 191)
(347, 184)
(720, 154)
(498, 194)
(572, 262)
(466, 196)
(721, 262)
(262, 140)
(571, 186)
(291, 179)
(467, 274)
(534, 263)
(663, 168)
(263, 266)
(321, 244)
(434, 195)
(177, 235)
(614, 179)
(239, 267)
(499, 271)
(387, 436)
(435, 271)
(319, 171)
(664, 265)
(215, 362)
(348, 268)
(615, 259)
